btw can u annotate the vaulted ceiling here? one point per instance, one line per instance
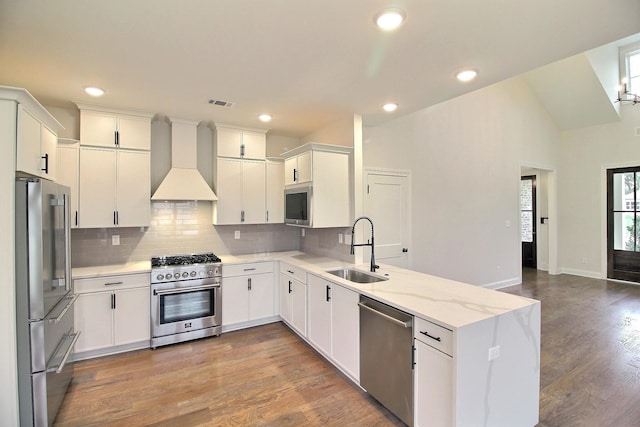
(307, 63)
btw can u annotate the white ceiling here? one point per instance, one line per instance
(307, 62)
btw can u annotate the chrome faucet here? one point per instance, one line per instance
(353, 245)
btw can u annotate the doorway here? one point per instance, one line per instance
(623, 223)
(528, 217)
(387, 203)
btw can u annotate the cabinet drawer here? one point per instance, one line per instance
(246, 269)
(295, 272)
(434, 335)
(104, 283)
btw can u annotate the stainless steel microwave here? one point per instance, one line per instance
(297, 206)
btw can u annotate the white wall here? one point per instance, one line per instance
(584, 156)
(336, 133)
(465, 156)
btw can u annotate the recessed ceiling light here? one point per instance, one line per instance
(466, 75)
(94, 91)
(390, 19)
(390, 107)
(265, 117)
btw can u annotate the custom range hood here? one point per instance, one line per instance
(184, 182)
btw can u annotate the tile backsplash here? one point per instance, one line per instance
(178, 228)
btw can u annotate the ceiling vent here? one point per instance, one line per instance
(220, 103)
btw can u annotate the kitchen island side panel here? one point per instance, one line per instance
(504, 391)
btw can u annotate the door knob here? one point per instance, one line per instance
(405, 250)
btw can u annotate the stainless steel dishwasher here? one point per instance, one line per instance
(386, 356)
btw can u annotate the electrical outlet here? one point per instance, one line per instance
(302, 232)
(115, 240)
(236, 234)
(494, 353)
(340, 238)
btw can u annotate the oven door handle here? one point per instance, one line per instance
(186, 289)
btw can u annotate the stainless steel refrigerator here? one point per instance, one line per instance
(44, 299)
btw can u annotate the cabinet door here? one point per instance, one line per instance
(299, 307)
(235, 300)
(228, 142)
(290, 170)
(305, 168)
(345, 329)
(253, 192)
(98, 129)
(319, 312)
(131, 322)
(67, 174)
(98, 189)
(433, 379)
(255, 144)
(228, 208)
(275, 192)
(133, 188)
(261, 297)
(48, 150)
(94, 319)
(286, 289)
(28, 157)
(134, 132)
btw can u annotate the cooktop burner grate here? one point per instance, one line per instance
(171, 260)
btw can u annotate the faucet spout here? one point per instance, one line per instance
(373, 265)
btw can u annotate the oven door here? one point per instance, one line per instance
(178, 307)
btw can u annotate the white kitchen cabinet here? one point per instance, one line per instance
(433, 386)
(115, 129)
(293, 297)
(241, 191)
(114, 188)
(333, 323)
(274, 191)
(329, 177)
(36, 147)
(68, 172)
(248, 295)
(298, 169)
(240, 143)
(112, 314)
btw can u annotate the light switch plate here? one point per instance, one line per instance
(115, 240)
(236, 234)
(494, 353)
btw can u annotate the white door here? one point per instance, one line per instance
(387, 204)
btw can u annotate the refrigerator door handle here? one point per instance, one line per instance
(59, 317)
(67, 241)
(74, 338)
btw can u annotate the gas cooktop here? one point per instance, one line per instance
(177, 260)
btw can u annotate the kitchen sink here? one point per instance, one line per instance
(356, 276)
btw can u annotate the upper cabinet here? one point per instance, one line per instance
(68, 172)
(33, 131)
(275, 191)
(240, 143)
(114, 128)
(298, 169)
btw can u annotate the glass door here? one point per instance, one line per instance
(528, 220)
(623, 224)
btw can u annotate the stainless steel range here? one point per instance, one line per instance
(186, 299)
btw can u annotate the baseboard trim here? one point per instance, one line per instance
(583, 273)
(503, 283)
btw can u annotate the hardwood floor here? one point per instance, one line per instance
(590, 350)
(267, 376)
(262, 376)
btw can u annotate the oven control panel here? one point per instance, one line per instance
(186, 272)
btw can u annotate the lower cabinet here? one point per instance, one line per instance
(433, 375)
(293, 297)
(248, 295)
(334, 323)
(112, 314)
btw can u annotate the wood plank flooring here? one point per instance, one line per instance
(263, 376)
(267, 376)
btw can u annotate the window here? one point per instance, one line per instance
(630, 63)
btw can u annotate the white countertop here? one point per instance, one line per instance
(447, 302)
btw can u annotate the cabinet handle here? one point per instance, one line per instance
(295, 175)
(290, 272)
(267, 216)
(426, 334)
(113, 301)
(76, 218)
(241, 150)
(289, 286)
(114, 218)
(328, 296)
(46, 163)
(241, 216)
(413, 356)
(113, 283)
(249, 283)
(117, 138)
(249, 269)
